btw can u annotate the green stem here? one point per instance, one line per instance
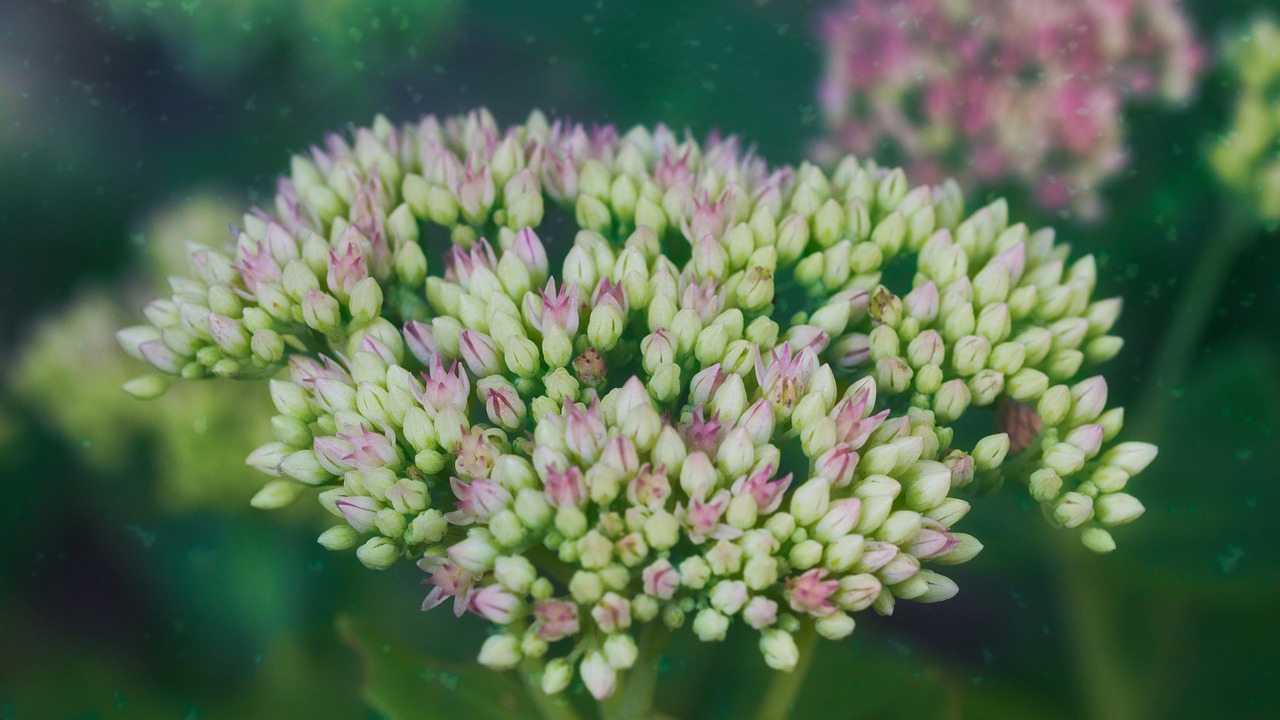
(636, 698)
(550, 708)
(780, 698)
(1109, 692)
(1187, 322)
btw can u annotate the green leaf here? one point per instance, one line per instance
(404, 685)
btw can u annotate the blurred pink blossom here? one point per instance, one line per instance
(994, 90)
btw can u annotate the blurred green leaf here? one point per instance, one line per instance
(402, 684)
(1207, 533)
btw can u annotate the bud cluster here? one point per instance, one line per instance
(990, 90)
(714, 411)
(1247, 158)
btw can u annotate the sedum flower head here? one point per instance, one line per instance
(1247, 158)
(1029, 91)
(701, 405)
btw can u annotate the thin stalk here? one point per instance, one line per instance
(636, 698)
(550, 708)
(1108, 691)
(780, 698)
(1191, 313)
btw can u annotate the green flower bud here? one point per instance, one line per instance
(378, 553)
(1073, 510)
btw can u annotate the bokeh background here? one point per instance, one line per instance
(135, 581)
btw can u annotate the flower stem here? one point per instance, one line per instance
(780, 698)
(1109, 692)
(635, 701)
(1187, 322)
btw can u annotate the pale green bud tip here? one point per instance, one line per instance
(1118, 508)
(148, 387)
(276, 494)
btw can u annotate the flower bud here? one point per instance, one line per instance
(779, 650)
(1118, 508)
(377, 553)
(500, 652)
(1073, 510)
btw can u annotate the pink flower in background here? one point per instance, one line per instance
(996, 90)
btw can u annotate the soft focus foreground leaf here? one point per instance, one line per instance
(1207, 531)
(400, 683)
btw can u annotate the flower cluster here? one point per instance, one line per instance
(715, 411)
(984, 90)
(1248, 157)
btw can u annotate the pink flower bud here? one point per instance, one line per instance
(704, 384)
(442, 388)
(702, 435)
(703, 516)
(257, 267)
(480, 353)
(477, 500)
(495, 604)
(785, 378)
(852, 351)
(922, 302)
(767, 493)
(1014, 260)
(610, 294)
(932, 541)
(306, 371)
(475, 453)
(555, 619)
(876, 555)
(811, 594)
(529, 248)
(758, 420)
(839, 520)
(620, 455)
(370, 449)
(660, 580)
(553, 308)
(612, 613)
(565, 488)
(649, 489)
(760, 612)
(808, 337)
(838, 465)
(331, 452)
(360, 511)
(504, 406)
(1088, 438)
(705, 298)
(449, 580)
(584, 430)
(347, 265)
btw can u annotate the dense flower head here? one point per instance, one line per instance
(702, 406)
(987, 90)
(1247, 158)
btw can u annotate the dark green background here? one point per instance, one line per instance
(113, 605)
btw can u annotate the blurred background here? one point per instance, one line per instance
(135, 580)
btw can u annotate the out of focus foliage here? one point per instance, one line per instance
(70, 372)
(1248, 157)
